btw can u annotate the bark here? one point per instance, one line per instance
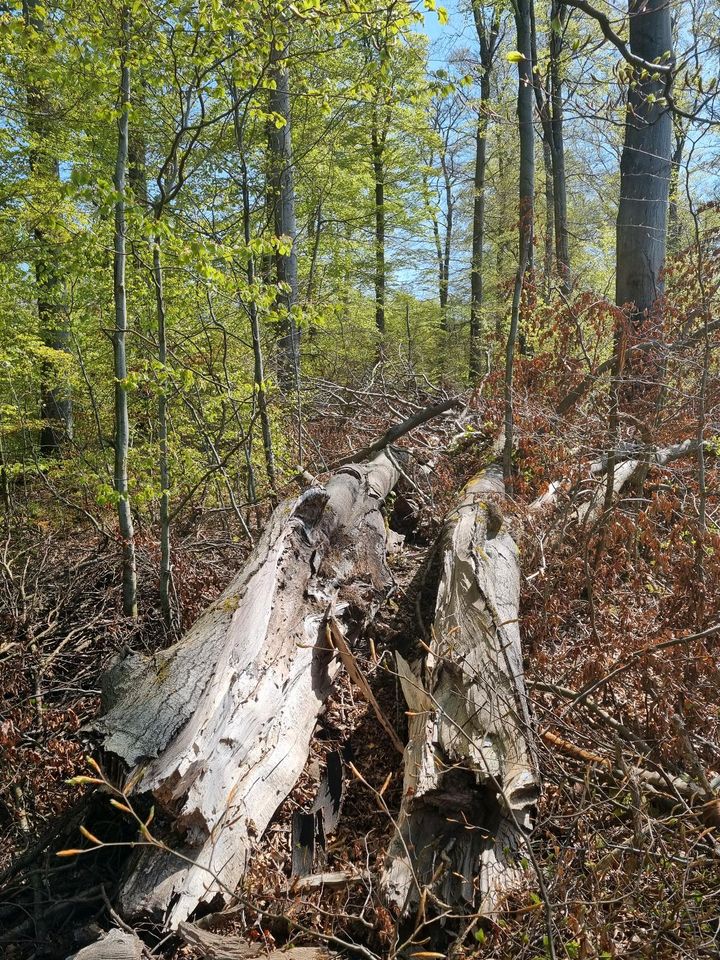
(378, 135)
(523, 24)
(644, 166)
(258, 359)
(214, 946)
(282, 187)
(53, 314)
(217, 727)
(122, 426)
(488, 38)
(114, 945)
(447, 241)
(549, 217)
(550, 110)
(165, 562)
(559, 13)
(471, 780)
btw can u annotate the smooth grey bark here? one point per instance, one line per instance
(470, 773)
(258, 359)
(282, 187)
(644, 165)
(523, 27)
(378, 136)
(217, 728)
(548, 253)
(445, 250)
(488, 37)
(550, 110)
(559, 14)
(122, 425)
(53, 314)
(165, 563)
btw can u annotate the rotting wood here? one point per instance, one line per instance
(215, 946)
(339, 643)
(400, 429)
(471, 781)
(217, 728)
(114, 945)
(626, 465)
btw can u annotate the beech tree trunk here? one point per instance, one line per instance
(523, 27)
(217, 727)
(645, 165)
(471, 780)
(559, 16)
(122, 423)
(53, 315)
(283, 197)
(378, 136)
(488, 37)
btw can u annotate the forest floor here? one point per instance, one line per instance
(627, 875)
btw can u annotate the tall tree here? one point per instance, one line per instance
(549, 98)
(122, 424)
(380, 124)
(487, 25)
(523, 11)
(53, 313)
(559, 16)
(282, 187)
(645, 162)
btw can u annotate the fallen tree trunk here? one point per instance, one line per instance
(627, 463)
(471, 780)
(217, 728)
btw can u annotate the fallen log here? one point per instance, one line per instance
(586, 384)
(114, 945)
(471, 780)
(214, 946)
(626, 466)
(217, 728)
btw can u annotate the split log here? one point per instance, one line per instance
(471, 781)
(217, 728)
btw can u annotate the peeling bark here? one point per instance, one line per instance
(217, 728)
(471, 780)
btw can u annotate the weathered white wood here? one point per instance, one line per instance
(215, 946)
(471, 780)
(625, 468)
(114, 945)
(217, 727)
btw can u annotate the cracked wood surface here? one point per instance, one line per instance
(217, 728)
(471, 780)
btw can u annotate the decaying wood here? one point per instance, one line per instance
(338, 642)
(215, 946)
(471, 780)
(114, 945)
(321, 821)
(626, 466)
(400, 429)
(217, 728)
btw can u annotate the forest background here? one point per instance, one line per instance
(238, 240)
